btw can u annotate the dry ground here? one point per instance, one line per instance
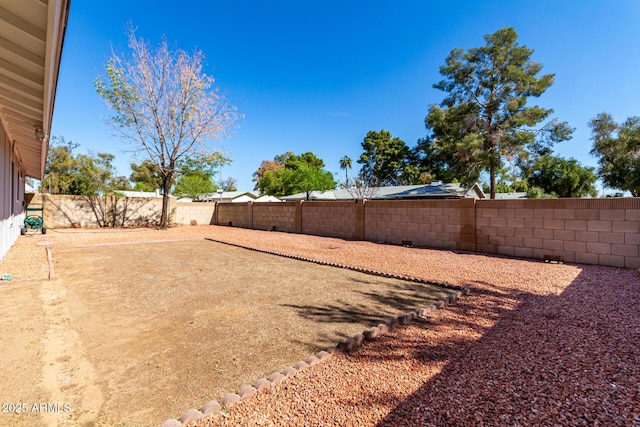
(135, 333)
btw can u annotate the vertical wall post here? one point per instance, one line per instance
(298, 218)
(359, 218)
(250, 214)
(466, 240)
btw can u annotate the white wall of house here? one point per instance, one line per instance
(11, 195)
(32, 32)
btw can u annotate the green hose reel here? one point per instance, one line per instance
(33, 221)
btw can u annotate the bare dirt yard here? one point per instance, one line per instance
(138, 326)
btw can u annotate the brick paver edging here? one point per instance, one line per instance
(213, 407)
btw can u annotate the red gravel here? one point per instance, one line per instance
(533, 344)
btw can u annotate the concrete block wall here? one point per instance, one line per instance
(448, 224)
(276, 216)
(235, 214)
(332, 219)
(588, 231)
(64, 211)
(202, 213)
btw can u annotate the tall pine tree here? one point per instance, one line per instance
(484, 119)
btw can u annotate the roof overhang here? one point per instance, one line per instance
(31, 39)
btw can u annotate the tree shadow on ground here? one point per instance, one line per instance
(568, 359)
(495, 305)
(322, 341)
(373, 308)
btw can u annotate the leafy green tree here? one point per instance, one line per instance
(485, 118)
(60, 167)
(426, 164)
(120, 183)
(203, 164)
(108, 182)
(538, 193)
(84, 181)
(95, 176)
(164, 104)
(270, 182)
(385, 158)
(306, 178)
(289, 174)
(146, 176)
(512, 178)
(260, 178)
(617, 147)
(193, 186)
(80, 174)
(563, 178)
(292, 161)
(508, 186)
(196, 176)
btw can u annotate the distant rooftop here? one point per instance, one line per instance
(435, 190)
(230, 196)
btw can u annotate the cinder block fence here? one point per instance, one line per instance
(589, 231)
(63, 211)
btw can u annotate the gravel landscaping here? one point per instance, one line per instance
(532, 344)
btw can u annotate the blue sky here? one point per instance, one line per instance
(317, 76)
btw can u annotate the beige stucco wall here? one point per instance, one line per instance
(64, 211)
(201, 213)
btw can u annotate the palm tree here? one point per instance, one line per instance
(346, 163)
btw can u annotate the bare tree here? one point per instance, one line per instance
(364, 187)
(230, 184)
(165, 105)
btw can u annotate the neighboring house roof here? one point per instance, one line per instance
(243, 198)
(229, 196)
(515, 195)
(350, 193)
(236, 194)
(438, 190)
(147, 194)
(435, 190)
(225, 196)
(32, 34)
(266, 198)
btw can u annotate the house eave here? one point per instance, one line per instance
(31, 39)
